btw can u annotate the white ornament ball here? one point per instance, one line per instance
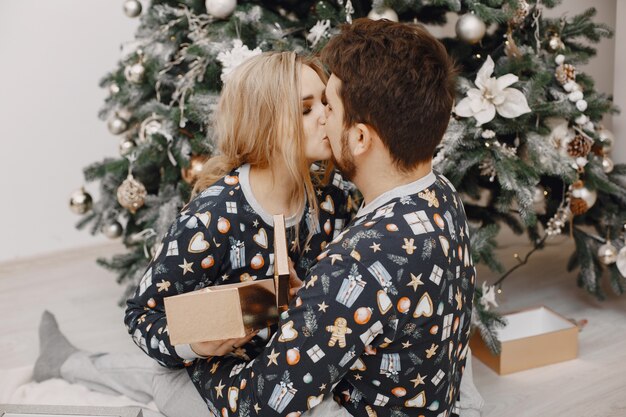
(383, 13)
(114, 89)
(132, 8)
(589, 126)
(607, 254)
(559, 59)
(469, 28)
(607, 165)
(117, 125)
(574, 96)
(581, 161)
(135, 73)
(581, 105)
(220, 9)
(585, 194)
(582, 119)
(571, 86)
(112, 230)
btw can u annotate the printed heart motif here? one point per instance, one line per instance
(418, 401)
(261, 238)
(312, 401)
(328, 205)
(358, 365)
(198, 244)
(424, 307)
(205, 218)
(287, 332)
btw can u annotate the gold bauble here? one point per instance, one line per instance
(131, 194)
(191, 173)
(80, 201)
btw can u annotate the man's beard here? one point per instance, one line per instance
(346, 166)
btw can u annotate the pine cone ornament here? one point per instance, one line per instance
(565, 73)
(578, 206)
(579, 146)
(522, 11)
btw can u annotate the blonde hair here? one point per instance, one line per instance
(259, 119)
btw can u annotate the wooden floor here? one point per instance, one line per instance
(84, 298)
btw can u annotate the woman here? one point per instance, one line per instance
(270, 129)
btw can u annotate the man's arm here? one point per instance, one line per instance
(335, 316)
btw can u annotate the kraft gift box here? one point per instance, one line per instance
(532, 338)
(232, 310)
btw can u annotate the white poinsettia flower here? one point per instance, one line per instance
(491, 96)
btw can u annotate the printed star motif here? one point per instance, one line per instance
(272, 357)
(255, 223)
(419, 380)
(257, 408)
(406, 345)
(186, 266)
(459, 299)
(322, 306)
(318, 192)
(462, 234)
(215, 366)
(431, 352)
(335, 257)
(224, 277)
(445, 198)
(218, 389)
(375, 247)
(163, 285)
(358, 377)
(307, 248)
(408, 246)
(322, 387)
(415, 282)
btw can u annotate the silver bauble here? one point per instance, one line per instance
(607, 253)
(80, 201)
(150, 126)
(220, 9)
(135, 73)
(555, 43)
(132, 8)
(383, 13)
(127, 145)
(117, 125)
(607, 138)
(469, 28)
(607, 165)
(112, 230)
(114, 89)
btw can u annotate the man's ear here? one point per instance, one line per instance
(363, 136)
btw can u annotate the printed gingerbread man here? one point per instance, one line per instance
(339, 330)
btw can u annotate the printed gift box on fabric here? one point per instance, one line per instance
(531, 338)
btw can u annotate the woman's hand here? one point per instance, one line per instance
(294, 282)
(221, 347)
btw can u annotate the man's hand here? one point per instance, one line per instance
(221, 347)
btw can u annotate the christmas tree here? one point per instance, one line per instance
(525, 145)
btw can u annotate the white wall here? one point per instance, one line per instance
(619, 121)
(49, 100)
(52, 56)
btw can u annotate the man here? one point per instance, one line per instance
(382, 321)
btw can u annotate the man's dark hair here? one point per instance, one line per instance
(398, 79)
